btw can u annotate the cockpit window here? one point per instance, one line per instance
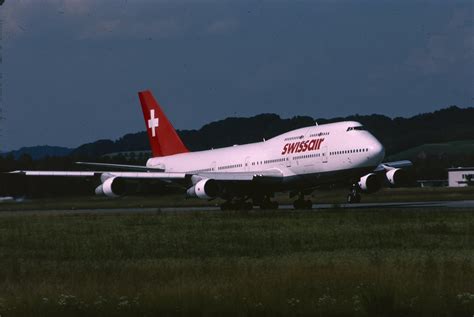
(360, 128)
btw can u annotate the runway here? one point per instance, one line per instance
(465, 204)
(316, 207)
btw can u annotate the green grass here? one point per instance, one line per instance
(331, 263)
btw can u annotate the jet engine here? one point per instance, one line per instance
(204, 189)
(111, 187)
(369, 183)
(398, 177)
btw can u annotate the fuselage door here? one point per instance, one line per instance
(324, 154)
(247, 164)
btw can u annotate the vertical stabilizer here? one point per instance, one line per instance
(163, 137)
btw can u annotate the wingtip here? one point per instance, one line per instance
(14, 172)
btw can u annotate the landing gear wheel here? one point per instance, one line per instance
(246, 206)
(269, 205)
(297, 204)
(302, 204)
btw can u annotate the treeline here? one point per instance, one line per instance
(396, 134)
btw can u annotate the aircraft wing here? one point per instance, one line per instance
(393, 165)
(113, 183)
(170, 176)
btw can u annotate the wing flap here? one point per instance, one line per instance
(56, 173)
(134, 175)
(231, 176)
(242, 176)
(137, 168)
(147, 175)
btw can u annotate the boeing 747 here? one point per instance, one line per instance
(298, 162)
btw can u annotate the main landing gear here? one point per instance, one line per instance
(266, 203)
(354, 197)
(301, 203)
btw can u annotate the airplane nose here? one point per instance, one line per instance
(378, 150)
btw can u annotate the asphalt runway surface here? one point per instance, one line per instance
(468, 204)
(316, 207)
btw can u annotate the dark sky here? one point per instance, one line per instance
(72, 69)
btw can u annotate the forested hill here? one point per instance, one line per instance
(217, 134)
(396, 134)
(39, 152)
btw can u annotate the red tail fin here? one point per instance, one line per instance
(163, 137)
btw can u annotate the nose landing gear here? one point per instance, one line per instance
(269, 205)
(354, 197)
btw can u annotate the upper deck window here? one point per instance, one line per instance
(360, 128)
(294, 138)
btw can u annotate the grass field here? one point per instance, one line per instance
(331, 263)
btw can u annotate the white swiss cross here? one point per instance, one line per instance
(153, 123)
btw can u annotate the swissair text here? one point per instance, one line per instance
(303, 146)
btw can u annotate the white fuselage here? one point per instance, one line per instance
(311, 150)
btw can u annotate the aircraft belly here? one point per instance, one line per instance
(322, 178)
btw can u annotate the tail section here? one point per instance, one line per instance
(163, 137)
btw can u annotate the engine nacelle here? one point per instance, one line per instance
(204, 189)
(398, 177)
(111, 187)
(369, 183)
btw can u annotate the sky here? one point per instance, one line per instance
(71, 69)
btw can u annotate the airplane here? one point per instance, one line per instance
(298, 162)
